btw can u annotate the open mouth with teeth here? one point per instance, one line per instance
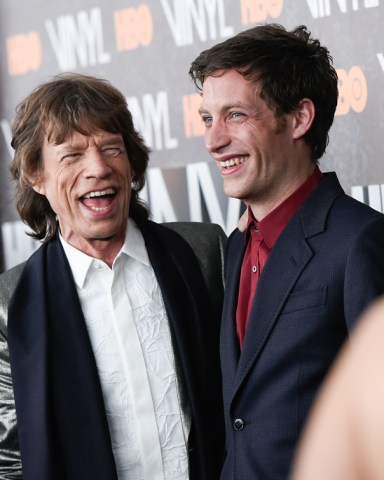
(232, 162)
(99, 200)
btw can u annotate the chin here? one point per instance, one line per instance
(234, 193)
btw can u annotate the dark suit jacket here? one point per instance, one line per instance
(325, 268)
(61, 428)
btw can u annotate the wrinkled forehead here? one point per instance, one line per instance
(60, 128)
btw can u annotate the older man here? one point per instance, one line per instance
(109, 332)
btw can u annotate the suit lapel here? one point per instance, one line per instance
(288, 258)
(28, 349)
(195, 337)
(170, 279)
(184, 294)
(230, 350)
(76, 380)
(61, 418)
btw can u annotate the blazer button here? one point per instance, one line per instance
(239, 424)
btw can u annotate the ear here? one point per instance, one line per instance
(303, 118)
(38, 185)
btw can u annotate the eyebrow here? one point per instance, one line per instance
(227, 107)
(78, 144)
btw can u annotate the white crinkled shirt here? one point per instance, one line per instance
(130, 336)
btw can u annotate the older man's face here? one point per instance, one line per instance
(87, 181)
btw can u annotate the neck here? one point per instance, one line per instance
(264, 204)
(105, 250)
(102, 250)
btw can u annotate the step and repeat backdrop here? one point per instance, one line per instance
(145, 49)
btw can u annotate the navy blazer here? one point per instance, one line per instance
(325, 268)
(61, 427)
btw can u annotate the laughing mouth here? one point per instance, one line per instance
(100, 193)
(232, 162)
(98, 200)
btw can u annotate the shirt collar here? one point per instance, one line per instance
(274, 223)
(134, 245)
(80, 262)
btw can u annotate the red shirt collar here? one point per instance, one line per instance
(274, 223)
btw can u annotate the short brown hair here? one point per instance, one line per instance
(288, 65)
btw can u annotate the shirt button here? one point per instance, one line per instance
(238, 424)
(254, 269)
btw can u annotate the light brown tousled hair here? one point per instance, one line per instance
(67, 103)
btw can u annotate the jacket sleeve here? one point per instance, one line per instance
(10, 461)
(364, 275)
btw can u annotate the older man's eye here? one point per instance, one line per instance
(112, 151)
(70, 156)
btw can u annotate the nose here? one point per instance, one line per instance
(216, 137)
(97, 165)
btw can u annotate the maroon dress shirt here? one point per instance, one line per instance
(261, 237)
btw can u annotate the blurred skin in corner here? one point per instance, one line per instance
(344, 437)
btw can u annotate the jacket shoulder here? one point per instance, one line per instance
(200, 235)
(8, 282)
(9, 278)
(208, 242)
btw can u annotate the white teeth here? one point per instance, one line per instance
(100, 193)
(97, 209)
(232, 162)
